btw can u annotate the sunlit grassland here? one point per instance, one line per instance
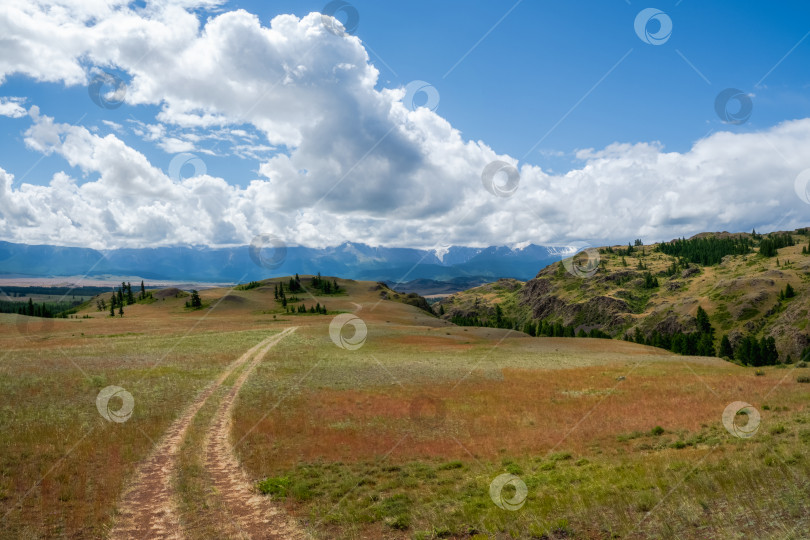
(63, 466)
(402, 438)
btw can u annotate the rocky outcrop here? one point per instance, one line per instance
(603, 312)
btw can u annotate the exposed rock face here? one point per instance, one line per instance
(673, 323)
(673, 285)
(600, 311)
(621, 276)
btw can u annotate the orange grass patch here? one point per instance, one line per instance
(528, 412)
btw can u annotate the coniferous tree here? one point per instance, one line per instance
(703, 324)
(568, 331)
(726, 351)
(706, 251)
(705, 346)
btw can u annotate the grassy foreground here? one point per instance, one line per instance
(62, 465)
(402, 436)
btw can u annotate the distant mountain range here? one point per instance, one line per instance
(348, 260)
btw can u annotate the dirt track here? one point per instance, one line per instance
(148, 508)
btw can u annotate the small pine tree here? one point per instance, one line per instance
(789, 292)
(726, 351)
(705, 347)
(703, 324)
(121, 310)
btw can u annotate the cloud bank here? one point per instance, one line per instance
(337, 157)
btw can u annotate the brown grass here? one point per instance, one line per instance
(530, 411)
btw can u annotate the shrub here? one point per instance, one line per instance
(803, 379)
(278, 486)
(400, 523)
(657, 430)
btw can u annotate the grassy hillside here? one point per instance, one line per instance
(648, 290)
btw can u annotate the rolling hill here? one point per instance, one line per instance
(740, 280)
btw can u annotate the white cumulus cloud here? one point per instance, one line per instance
(337, 157)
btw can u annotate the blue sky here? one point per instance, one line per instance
(535, 82)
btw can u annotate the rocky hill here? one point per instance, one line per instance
(636, 291)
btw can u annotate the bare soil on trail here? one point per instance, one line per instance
(148, 507)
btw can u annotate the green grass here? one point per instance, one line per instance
(590, 496)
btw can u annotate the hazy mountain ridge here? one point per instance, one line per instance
(350, 260)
